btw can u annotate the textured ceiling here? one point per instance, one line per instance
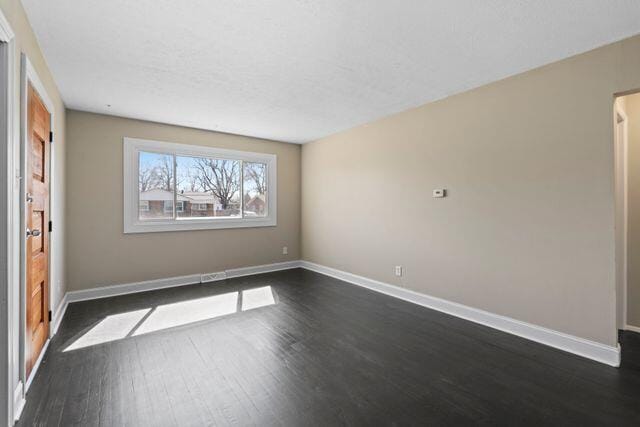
(298, 70)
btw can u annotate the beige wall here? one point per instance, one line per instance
(527, 230)
(633, 279)
(99, 254)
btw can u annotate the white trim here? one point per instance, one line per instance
(132, 224)
(632, 328)
(169, 282)
(131, 288)
(572, 344)
(36, 365)
(18, 401)
(258, 269)
(6, 32)
(38, 86)
(58, 314)
(621, 149)
(9, 253)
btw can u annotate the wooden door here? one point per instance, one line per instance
(37, 219)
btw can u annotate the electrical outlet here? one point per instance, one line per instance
(439, 192)
(399, 270)
(285, 250)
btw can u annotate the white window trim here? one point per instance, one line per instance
(132, 224)
(144, 205)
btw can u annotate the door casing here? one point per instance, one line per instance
(30, 77)
(9, 254)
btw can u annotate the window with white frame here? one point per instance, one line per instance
(238, 186)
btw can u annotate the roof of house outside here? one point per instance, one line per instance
(159, 194)
(186, 196)
(199, 197)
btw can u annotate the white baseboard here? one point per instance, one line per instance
(632, 328)
(36, 365)
(130, 288)
(582, 347)
(59, 314)
(18, 401)
(257, 269)
(149, 285)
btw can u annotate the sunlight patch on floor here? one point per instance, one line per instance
(111, 328)
(152, 319)
(258, 297)
(182, 313)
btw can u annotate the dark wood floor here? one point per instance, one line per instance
(326, 353)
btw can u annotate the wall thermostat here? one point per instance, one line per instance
(439, 192)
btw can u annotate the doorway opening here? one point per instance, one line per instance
(626, 128)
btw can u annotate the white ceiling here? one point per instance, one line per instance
(298, 70)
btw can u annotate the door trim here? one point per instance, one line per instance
(621, 173)
(30, 76)
(9, 254)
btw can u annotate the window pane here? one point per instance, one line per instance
(255, 189)
(155, 186)
(208, 187)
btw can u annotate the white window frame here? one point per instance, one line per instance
(144, 207)
(180, 206)
(199, 207)
(132, 224)
(164, 206)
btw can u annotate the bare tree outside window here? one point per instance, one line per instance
(221, 178)
(147, 178)
(255, 189)
(209, 187)
(155, 185)
(164, 171)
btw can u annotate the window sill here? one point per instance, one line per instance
(156, 226)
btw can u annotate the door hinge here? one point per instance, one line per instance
(49, 315)
(50, 136)
(50, 226)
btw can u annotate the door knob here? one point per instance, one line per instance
(34, 232)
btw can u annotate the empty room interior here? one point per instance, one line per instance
(319, 213)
